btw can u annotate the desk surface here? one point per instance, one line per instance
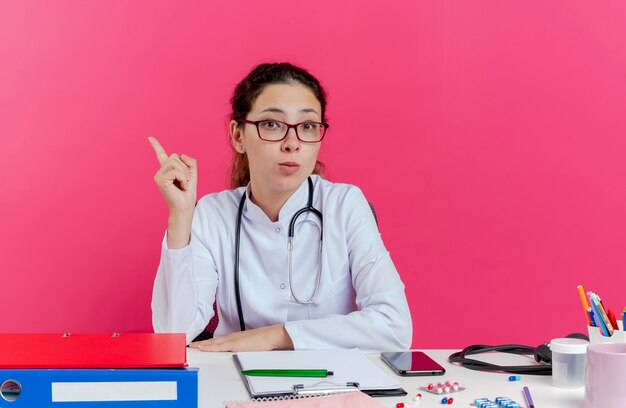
(219, 381)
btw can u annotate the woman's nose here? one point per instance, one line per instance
(291, 142)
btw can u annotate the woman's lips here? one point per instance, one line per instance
(288, 167)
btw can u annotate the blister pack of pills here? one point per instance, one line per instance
(500, 402)
(446, 387)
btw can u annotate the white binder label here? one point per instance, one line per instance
(114, 391)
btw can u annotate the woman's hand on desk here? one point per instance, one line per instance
(177, 180)
(262, 339)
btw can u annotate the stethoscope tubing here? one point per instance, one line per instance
(292, 226)
(242, 324)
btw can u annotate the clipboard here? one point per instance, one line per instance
(352, 369)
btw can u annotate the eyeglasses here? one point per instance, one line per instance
(275, 130)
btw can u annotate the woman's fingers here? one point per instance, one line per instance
(174, 162)
(191, 164)
(173, 169)
(174, 175)
(224, 343)
(158, 149)
(177, 180)
(214, 344)
(259, 339)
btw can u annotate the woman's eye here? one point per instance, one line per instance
(309, 126)
(270, 124)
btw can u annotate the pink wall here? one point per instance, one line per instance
(490, 136)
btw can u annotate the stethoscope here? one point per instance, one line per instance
(292, 227)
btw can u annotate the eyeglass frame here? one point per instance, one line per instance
(289, 126)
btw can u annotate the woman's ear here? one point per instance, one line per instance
(236, 135)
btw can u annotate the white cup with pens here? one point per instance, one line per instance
(602, 325)
(596, 336)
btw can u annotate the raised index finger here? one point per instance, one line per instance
(158, 149)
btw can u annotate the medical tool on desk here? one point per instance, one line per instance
(542, 355)
(292, 225)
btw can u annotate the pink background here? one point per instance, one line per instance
(489, 135)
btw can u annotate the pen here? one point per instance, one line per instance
(612, 319)
(592, 318)
(599, 319)
(583, 300)
(601, 314)
(528, 398)
(287, 373)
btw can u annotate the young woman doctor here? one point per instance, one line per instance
(333, 285)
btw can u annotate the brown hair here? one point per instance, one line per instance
(250, 88)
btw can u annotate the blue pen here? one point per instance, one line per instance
(605, 332)
(601, 314)
(592, 318)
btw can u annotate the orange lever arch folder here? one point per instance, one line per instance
(135, 350)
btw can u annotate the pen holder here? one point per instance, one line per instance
(605, 373)
(596, 337)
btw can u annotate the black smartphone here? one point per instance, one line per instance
(412, 363)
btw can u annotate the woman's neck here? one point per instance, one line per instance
(270, 203)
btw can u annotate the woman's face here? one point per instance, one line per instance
(279, 167)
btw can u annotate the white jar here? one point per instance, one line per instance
(568, 362)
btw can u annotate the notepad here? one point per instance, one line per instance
(352, 369)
